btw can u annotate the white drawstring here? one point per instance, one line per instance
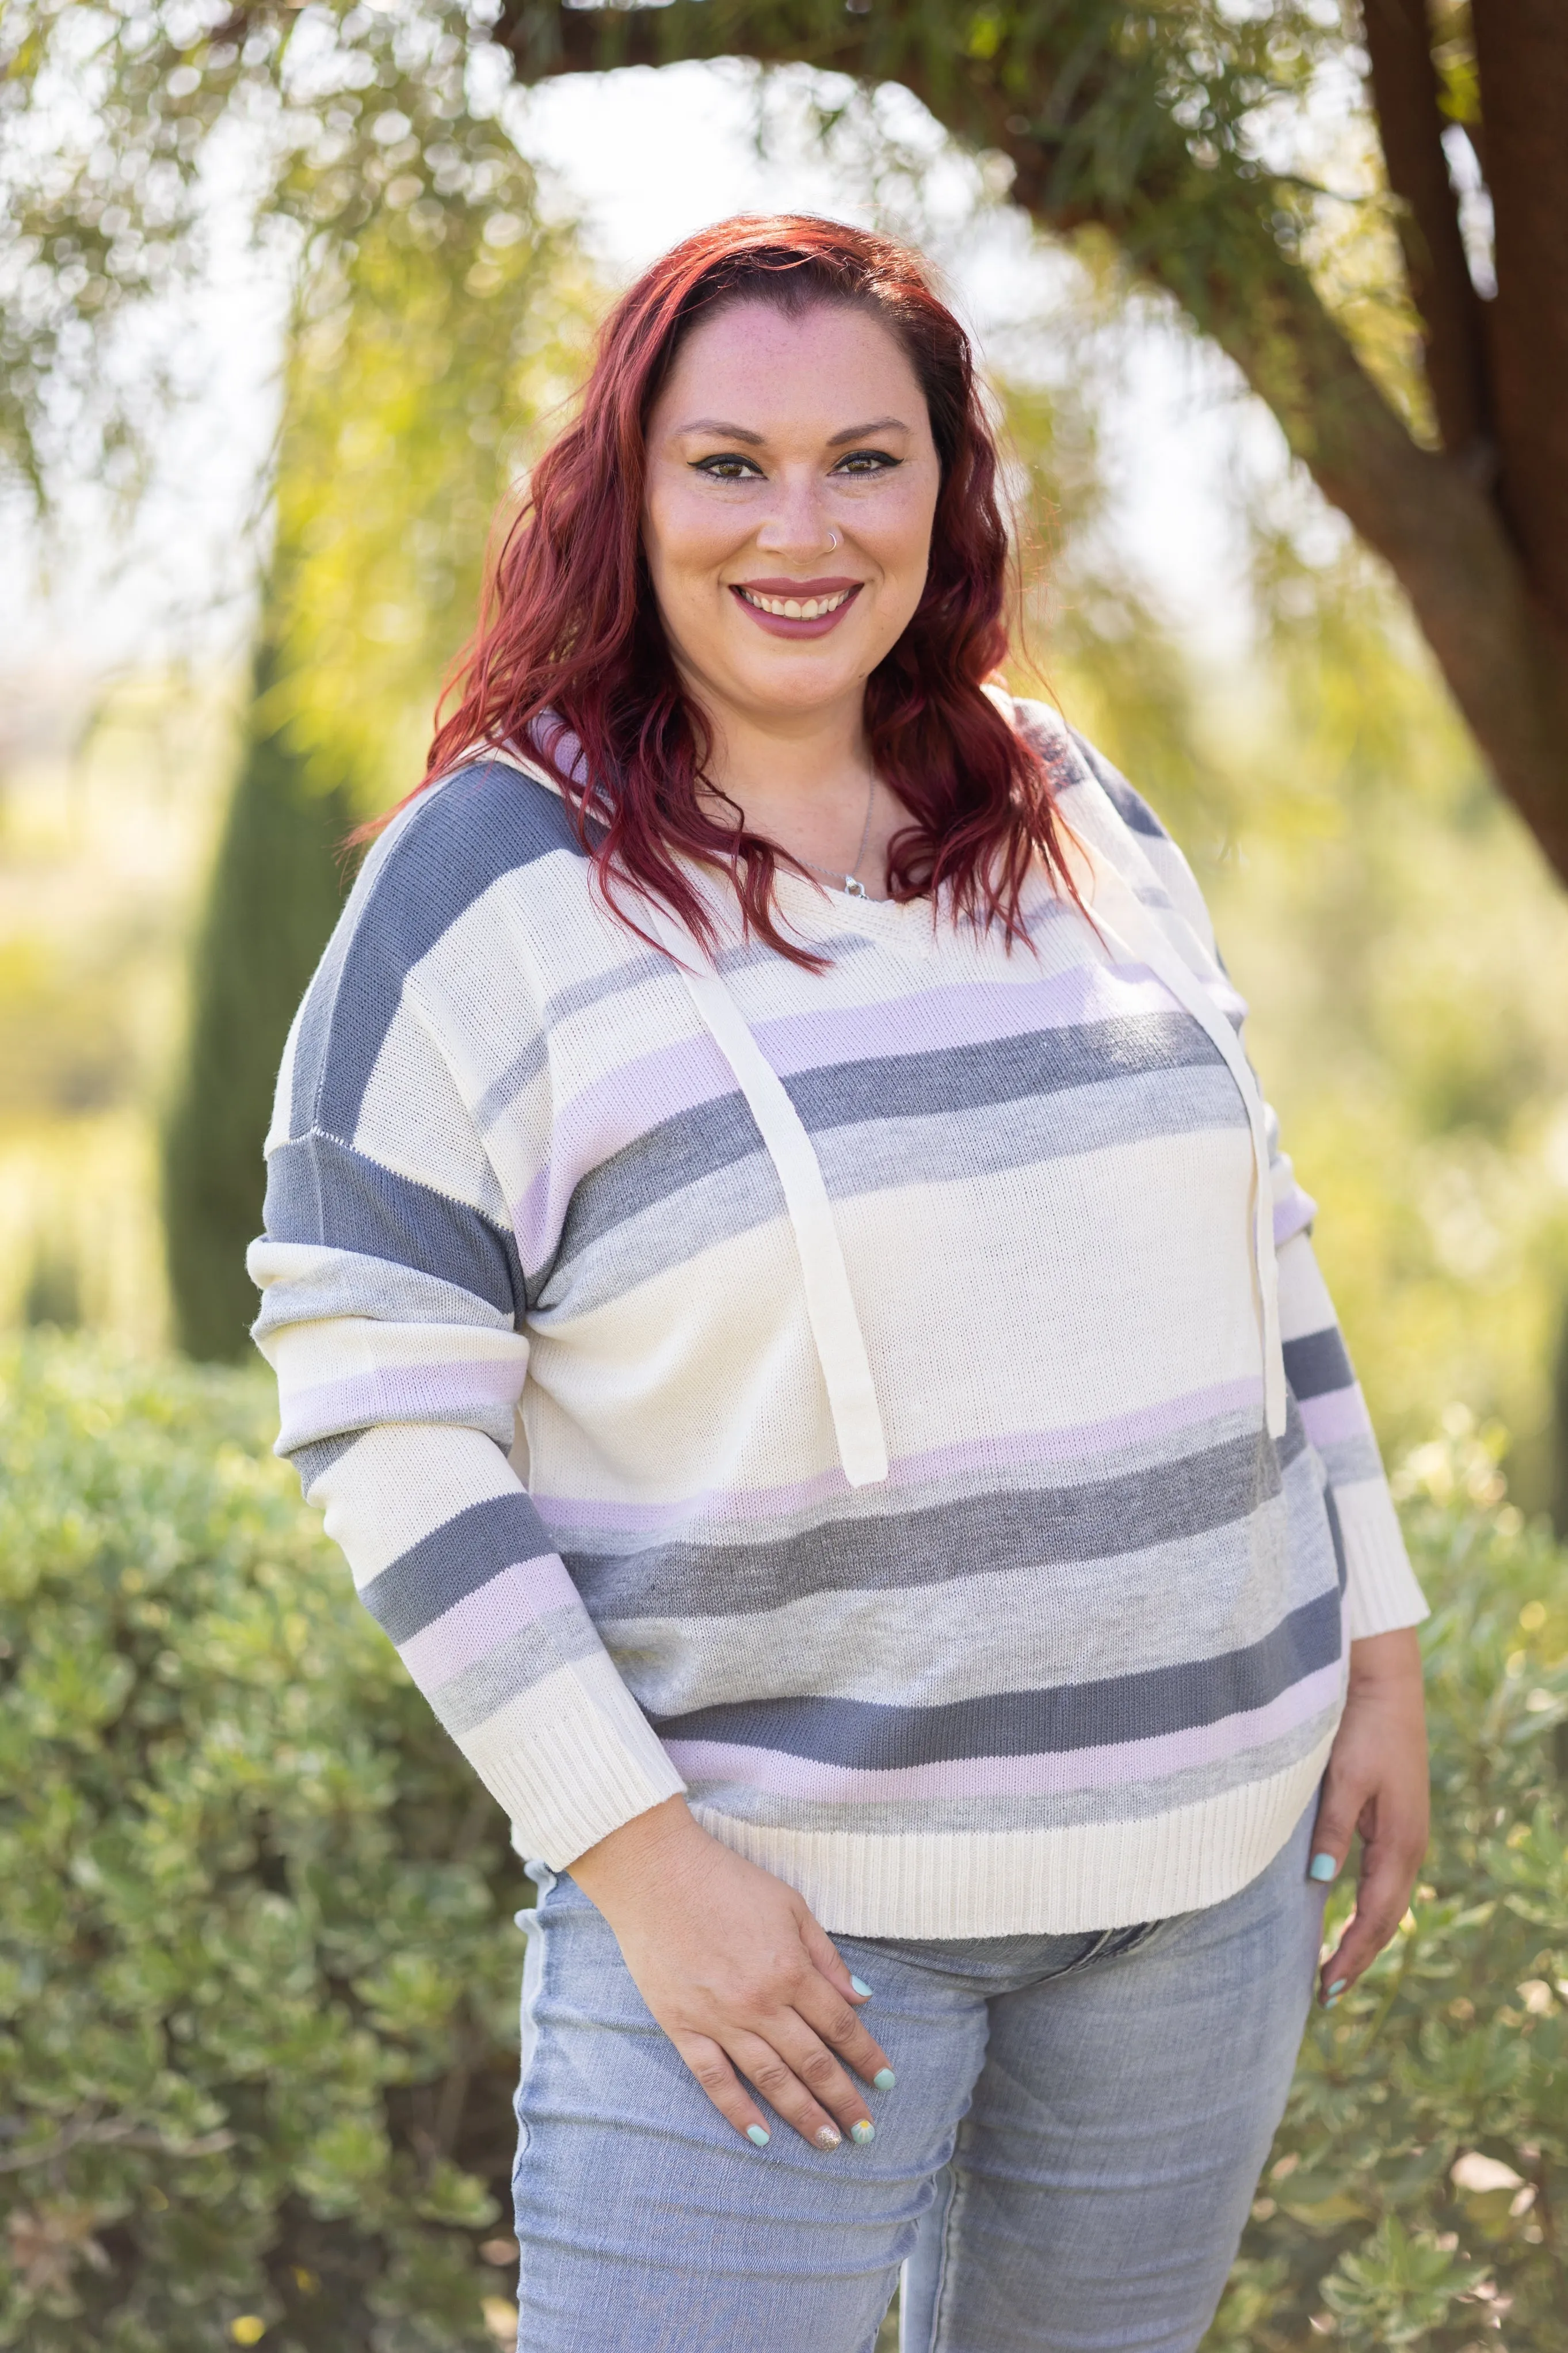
(829, 1302)
(1141, 939)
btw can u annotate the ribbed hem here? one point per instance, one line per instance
(1381, 1591)
(571, 1759)
(1042, 1883)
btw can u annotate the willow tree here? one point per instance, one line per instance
(430, 333)
(1425, 400)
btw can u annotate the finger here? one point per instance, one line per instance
(827, 1956)
(811, 2060)
(1387, 1876)
(844, 2031)
(767, 2068)
(1337, 1810)
(723, 2086)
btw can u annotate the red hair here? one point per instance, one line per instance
(570, 662)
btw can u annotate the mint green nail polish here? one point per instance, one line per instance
(1338, 1988)
(884, 2079)
(1322, 1868)
(863, 2132)
(1331, 2001)
(757, 2136)
(861, 1987)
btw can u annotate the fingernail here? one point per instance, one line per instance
(860, 1986)
(1331, 2001)
(757, 2136)
(863, 2132)
(828, 2138)
(1322, 1868)
(1338, 1988)
(884, 2079)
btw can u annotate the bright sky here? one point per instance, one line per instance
(642, 158)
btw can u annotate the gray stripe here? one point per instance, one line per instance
(321, 1190)
(870, 1736)
(1018, 1528)
(1003, 1629)
(531, 1058)
(483, 823)
(672, 1165)
(347, 1282)
(1317, 1364)
(314, 1460)
(1124, 1802)
(453, 1561)
(1350, 1461)
(1130, 806)
(525, 1658)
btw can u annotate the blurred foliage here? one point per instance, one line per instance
(1417, 2192)
(258, 1983)
(426, 352)
(257, 1978)
(1386, 916)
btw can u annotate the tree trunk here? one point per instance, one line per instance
(272, 900)
(1486, 570)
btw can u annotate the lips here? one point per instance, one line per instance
(797, 608)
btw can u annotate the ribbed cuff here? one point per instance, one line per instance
(1383, 1593)
(571, 1759)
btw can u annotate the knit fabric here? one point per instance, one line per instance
(870, 1401)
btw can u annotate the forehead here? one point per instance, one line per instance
(753, 363)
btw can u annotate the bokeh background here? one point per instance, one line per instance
(348, 265)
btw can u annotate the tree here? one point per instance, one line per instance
(1152, 126)
(426, 346)
(1426, 406)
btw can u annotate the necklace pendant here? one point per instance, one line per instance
(853, 887)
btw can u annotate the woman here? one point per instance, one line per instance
(939, 1621)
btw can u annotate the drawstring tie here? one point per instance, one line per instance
(829, 1304)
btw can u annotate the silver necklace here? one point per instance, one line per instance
(850, 883)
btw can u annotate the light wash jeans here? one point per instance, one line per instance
(1065, 2165)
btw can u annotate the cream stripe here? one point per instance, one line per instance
(1038, 1882)
(829, 1304)
(1141, 940)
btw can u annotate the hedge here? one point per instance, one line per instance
(258, 1968)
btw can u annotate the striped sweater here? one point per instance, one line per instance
(896, 1404)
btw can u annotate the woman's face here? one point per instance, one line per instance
(792, 482)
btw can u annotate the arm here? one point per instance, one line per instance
(1377, 1782)
(392, 1302)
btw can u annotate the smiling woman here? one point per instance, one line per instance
(829, 1388)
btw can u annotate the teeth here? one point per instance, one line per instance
(797, 608)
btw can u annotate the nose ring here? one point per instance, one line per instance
(832, 539)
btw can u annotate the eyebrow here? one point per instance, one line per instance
(719, 424)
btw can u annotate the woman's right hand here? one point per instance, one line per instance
(738, 1974)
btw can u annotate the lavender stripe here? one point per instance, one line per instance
(782, 1776)
(400, 1393)
(1341, 1414)
(975, 1014)
(1049, 1450)
(481, 1620)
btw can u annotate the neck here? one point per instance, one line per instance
(790, 767)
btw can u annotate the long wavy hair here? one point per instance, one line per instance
(570, 663)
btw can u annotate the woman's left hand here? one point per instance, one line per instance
(1377, 1784)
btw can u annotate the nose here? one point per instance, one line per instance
(797, 525)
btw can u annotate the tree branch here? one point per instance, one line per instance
(1404, 91)
(1086, 146)
(1521, 50)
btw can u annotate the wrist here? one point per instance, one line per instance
(1386, 1662)
(648, 1850)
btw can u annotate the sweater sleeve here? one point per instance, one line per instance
(392, 1315)
(1382, 1591)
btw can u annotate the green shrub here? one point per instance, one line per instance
(258, 1975)
(1453, 2051)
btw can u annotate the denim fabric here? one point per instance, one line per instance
(1064, 2166)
